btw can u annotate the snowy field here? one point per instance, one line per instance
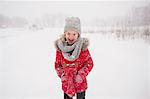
(121, 68)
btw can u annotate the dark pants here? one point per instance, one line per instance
(79, 96)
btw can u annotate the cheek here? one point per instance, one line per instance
(76, 37)
(66, 36)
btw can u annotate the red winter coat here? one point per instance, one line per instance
(73, 73)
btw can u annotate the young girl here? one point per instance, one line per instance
(73, 60)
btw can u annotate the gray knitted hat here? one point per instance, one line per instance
(72, 23)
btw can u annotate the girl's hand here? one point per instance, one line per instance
(79, 79)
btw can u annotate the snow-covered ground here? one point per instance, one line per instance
(121, 68)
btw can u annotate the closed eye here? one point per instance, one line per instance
(68, 33)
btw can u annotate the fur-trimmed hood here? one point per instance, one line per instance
(84, 46)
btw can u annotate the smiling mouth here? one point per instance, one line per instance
(71, 40)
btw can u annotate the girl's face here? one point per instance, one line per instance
(71, 36)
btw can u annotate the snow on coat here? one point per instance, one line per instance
(73, 73)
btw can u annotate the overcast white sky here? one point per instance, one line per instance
(82, 9)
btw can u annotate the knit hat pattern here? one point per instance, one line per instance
(72, 23)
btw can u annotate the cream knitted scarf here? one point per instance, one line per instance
(74, 48)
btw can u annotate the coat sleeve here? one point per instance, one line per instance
(58, 66)
(88, 64)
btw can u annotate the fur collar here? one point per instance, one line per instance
(84, 46)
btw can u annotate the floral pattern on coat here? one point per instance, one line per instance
(73, 73)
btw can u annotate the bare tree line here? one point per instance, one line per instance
(135, 24)
(137, 16)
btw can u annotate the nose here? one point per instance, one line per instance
(71, 37)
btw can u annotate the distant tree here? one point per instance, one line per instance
(18, 22)
(3, 21)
